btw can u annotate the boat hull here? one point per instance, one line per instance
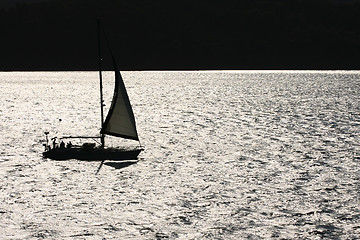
(95, 154)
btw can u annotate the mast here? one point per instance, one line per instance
(101, 87)
(120, 120)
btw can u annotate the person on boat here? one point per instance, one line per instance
(69, 145)
(62, 145)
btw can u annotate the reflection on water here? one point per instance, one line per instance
(229, 155)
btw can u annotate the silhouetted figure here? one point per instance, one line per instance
(69, 145)
(54, 143)
(62, 145)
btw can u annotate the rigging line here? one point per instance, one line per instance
(106, 39)
(140, 144)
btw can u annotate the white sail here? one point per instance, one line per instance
(120, 120)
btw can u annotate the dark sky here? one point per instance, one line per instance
(202, 34)
(10, 3)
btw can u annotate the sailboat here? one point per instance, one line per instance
(119, 122)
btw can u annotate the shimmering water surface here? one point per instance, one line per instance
(229, 155)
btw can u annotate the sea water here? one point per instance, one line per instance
(228, 155)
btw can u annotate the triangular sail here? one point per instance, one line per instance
(120, 120)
